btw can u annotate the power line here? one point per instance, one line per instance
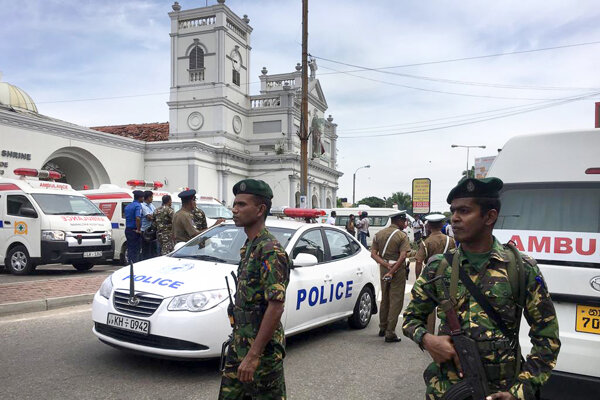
(443, 91)
(488, 55)
(505, 115)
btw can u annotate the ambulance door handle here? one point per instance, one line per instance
(6, 222)
(121, 224)
(328, 278)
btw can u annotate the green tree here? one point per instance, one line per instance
(339, 203)
(372, 201)
(403, 200)
(471, 172)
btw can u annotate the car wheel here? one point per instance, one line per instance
(363, 309)
(18, 261)
(123, 257)
(83, 266)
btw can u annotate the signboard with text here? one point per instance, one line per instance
(421, 195)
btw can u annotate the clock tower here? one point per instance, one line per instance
(210, 58)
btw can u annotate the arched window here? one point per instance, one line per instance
(196, 58)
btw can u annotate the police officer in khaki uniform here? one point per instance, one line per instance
(389, 248)
(436, 243)
(183, 221)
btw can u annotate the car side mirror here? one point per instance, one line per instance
(178, 246)
(305, 260)
(28, 212)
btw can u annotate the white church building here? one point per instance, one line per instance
(218, 132)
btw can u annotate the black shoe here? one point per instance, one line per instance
(392, 339)
(381, 332)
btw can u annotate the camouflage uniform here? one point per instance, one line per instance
(199, 219)
(164, 228)
(263, 275)
(492, 279)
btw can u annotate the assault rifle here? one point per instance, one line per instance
(474, 382)
(229, 340)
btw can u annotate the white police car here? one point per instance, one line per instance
(180, 304)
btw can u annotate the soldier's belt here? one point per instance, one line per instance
(247, 317)
(493, 345)
(497, 372)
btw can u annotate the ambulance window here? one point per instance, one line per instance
(378, 221)
(339, 246)
(311, 243)
(14, 203)
(563, 208)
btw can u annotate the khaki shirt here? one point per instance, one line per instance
(433, 245)
(397, 244)
(183, 226)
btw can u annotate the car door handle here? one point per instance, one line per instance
(328, 278)
(359, 271)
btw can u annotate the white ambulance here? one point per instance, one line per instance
(112, 200)
(551, 210)
(47, 222)
(213, 209)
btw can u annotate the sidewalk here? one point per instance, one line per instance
(42, 295)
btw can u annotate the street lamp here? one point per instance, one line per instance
(354, 182)
(468, 148)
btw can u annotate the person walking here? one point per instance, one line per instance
(133, 224)
(149, 249)
(418, 229)
(389, 249)
(363, 228)
(331, 218)
(436, 243)
(350, 227)
(253, 366)
(164, 225)
(183, 221)
(490, 285)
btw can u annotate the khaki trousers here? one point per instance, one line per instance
(392, 300)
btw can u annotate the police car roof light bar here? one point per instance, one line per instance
(142, 183)
(44, 174)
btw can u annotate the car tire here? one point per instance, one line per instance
(363, 309)
(123, 258)
(84, 266)
(18, 261)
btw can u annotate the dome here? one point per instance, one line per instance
(14, 97)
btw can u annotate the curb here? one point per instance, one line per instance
(44, 304)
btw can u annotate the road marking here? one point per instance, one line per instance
(46, 314)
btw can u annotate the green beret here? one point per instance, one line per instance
(471, 187)
(253, 186)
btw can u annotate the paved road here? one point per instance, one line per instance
(55, 271)
(54, 355)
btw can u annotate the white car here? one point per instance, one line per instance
(180, 304)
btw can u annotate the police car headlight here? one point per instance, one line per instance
(198, 301)
(53, 235)
(106, 288)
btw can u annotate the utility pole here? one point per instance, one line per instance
(304, 104)
(468, 148)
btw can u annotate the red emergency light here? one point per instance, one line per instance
(302, 213)
(592, 171)
(38, 173)
(143, 183)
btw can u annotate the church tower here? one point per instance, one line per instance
(210, 59)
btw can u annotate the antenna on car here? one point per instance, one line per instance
(132, 298)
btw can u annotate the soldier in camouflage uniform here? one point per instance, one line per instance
(164, 225)
(254, 361)
(199, 219)
(475, 205)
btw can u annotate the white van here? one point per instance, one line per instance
(551, 210)
(112, 200)
(46, 222)
(379, 218)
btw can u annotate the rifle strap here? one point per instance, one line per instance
(454, 260)
(484, 303)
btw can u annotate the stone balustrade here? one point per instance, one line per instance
(266, 102)
(196, 22)
(196, 75)
(281, 83)
(240, 32)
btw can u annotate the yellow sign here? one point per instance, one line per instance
(588, 319)
(421, 195)
(20, 228)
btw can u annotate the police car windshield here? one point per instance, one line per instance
(215, 211)
(223, 244)
(64, 204)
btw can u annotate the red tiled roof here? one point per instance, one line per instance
(146, 132)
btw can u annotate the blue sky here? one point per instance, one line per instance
(66, 52)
